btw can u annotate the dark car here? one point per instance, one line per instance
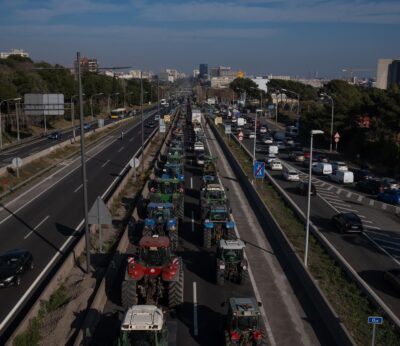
(362, 174)
(12, 265)
(54, 135)
(151, 124)
(302, 188)
(370, 186)
(392, 277)
(348, 223)
(87, 127)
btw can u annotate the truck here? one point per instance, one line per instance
(196, 116)
(241, 121)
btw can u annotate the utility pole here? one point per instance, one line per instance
(141, 111)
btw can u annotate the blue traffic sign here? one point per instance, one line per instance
(259, 169)
(375, 320)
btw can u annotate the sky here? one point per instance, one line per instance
(282, 37)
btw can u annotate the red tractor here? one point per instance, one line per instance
(154, 274)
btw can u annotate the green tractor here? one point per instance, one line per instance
(231, 264)
(168, 190)
(217, 225)
(143, 325)
(243, 323)
(210, 165)
(212, 194)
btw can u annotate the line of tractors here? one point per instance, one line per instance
(154, 275)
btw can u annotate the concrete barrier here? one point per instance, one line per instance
(286, 254)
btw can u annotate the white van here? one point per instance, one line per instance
(290, 174)
(273, 149)
(339, 166)
(322, 168)
(276, 165)
(343, 177)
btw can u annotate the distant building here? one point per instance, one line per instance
(196, 73)
(14, 52)
(203, 71)
(278, 77)
(165, 77)
(221, 82)
(262, 83)
(88, 65)
(388, 73)
(135, 73)
(173, 73)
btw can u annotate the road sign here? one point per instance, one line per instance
(99, 215)
(336, 140)
(259, 169)
(16, 162)
(240, 136)
(167, 118)
(228, 129)
(134, 162)
(375, 320)
(336, 136)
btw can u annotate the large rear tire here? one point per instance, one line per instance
(173, 236)
(220, 279)
(175, 291)
(128, 294)
(207, 238)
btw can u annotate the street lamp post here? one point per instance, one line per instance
(332, 112)
(17, 116)
(73, 115)
(141, 115)
(313, 132)
(1, 125)
(91, 103)
(298, 107)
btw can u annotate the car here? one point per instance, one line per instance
(261, 149)
(267, 139)
(269, 158)
(371, 186)
(302, 188)
(390, 183)
(281, 145)
(348, 222)
(13, 264)
(392, 277)
(290, 174)
(320, 158)
(54, 135)
(87, 127)
(151, 124)
(339, 166)
(322, 168)
(390, 196)
(297, 156)
(343, 177)
(289, 141)
(362, 174)
(275, 165)
(263, 129)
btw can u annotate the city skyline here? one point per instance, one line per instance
(298, 38)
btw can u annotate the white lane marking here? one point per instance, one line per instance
(330, 188)
(349, 194)
(362, 216)
(132, 139)
(373, 227)
(78, 188)
(330, 198)
(380, 247)
(365, 221)
(37, 226)
(384, 206)
(389, 242)
(338, 203)
(105, 163)
(191, 182)
(345, 208)
(371, 202)
(360, 198)
(339, 191)
(195, 321)
(192, 221)
(120, 149)
(39, 277)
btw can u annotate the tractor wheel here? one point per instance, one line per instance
(220, 277)
(231, 234)
(243, 277)
(207, 239)
(147, 232)
(128, 294)
(227, 339)
(175, 291)
(173, 236)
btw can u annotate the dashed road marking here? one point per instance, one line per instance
(195, 318)
(371, 202)
(120, 149)
(338, 191)
(330, 188)
(78, 188)
(349, 194)
(37, 226)
(360, 198)
(384, 206)
(105, 163)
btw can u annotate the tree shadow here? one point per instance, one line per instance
(375, 279)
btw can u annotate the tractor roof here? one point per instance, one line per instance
(215, 187)
(231, 244)
(244, 307)
(143, 317)
(154, 241)
(154, 205)
(167, 180)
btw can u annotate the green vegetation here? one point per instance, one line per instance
(32, 337)
(349, 302)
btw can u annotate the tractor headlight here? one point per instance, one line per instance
(172, 228)
(222, 266)
(244, 267)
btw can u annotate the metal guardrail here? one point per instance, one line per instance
(376, 300)
(285, 252)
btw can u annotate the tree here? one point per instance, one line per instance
(240, 85)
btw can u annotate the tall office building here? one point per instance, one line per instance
(388, 73)
(203, 71)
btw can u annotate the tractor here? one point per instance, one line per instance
(243, 323)
(231, 264)
(143, 325)
(173, 170)
(154, 274)
(210, 163)
(161, 221)
(213, 194)
(217, 225)
(168, 191)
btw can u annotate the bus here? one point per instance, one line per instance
(118, 113)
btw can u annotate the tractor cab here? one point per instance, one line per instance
(173, 170)
(231, 251)
(213, 194)
(143, 325)
(154, 251)
(243, 322)
(158, 213)
(218, 214)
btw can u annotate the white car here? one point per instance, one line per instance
(263, 129)
(252, 135)
(267, 140)
(269, 158)
(290, 174)
(276, 165)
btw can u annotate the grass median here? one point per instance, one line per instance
(349, 302)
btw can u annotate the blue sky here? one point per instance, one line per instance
(296, 37)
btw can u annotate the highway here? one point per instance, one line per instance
(371, 253)
(49, 216)
(38, 144)
(200, 321)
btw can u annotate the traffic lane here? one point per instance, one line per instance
(369, 262)
(46, 241)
